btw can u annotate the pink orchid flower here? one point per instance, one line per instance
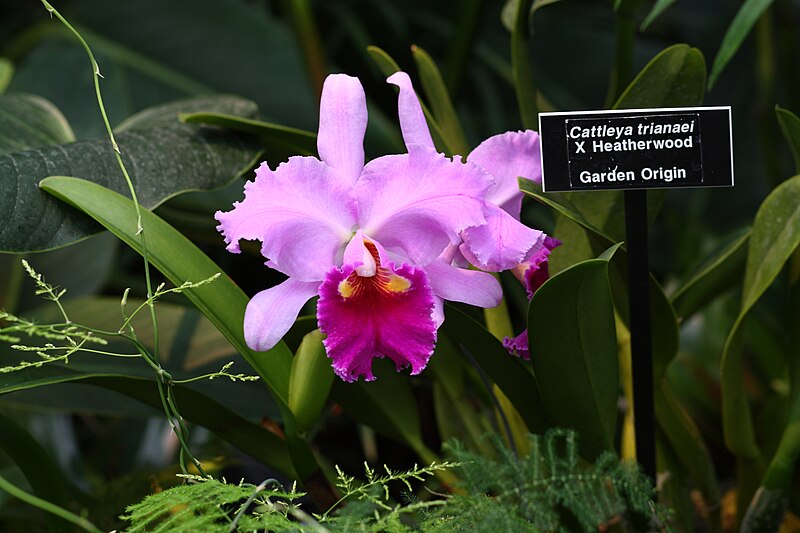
(502, 243)
(366, 238)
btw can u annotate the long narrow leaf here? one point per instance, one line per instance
(739, 29)
(180, 260)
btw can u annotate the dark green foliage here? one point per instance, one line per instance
(551, 489)
(546, 490)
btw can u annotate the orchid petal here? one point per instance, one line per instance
(535, 269)
(357, 254)
(518, 345)
(412, 119)
(271, 313)
(342, 124)
(301, 215)
(438, 311)
(506, 157)
(468, 286)
(420, 201)
(388, 315)
(501, 243)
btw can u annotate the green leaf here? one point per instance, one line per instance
(574, 352)
(179, 260)
(744, 21)
(196, 407)
(169, 114)
(721, 270)
(790, 126)
(509, 373)
(384, 61)
(28, 121)
(185, 50)
(41, 471)
(164, 161)
(664, 321)
(674, 78)
(690, 449)
(6, 73)
(658, 8)
(279, 141)
(521, 67)
(439, 98)
(311, 380)
(775, 236)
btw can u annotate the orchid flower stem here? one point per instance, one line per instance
(44, 505)
(163, 379)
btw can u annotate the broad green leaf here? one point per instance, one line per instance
(658, 8)
(311, 380)
(664, 320)
(194, 406)
(790, 126)
(389, 66)
(190, 47)
(509, 373)
(170, 114)
(521, 67)
(6, 73)
(739, 29)
(179, 260)
(574, 353)
(163, 161)
(722, 269)
(583, 244)
(676, 77)
(685, 438)
(41, 471)
(279, 141)
(439, 98)
(28, 121)
(775, 236)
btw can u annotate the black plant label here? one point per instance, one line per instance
(636, 149)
